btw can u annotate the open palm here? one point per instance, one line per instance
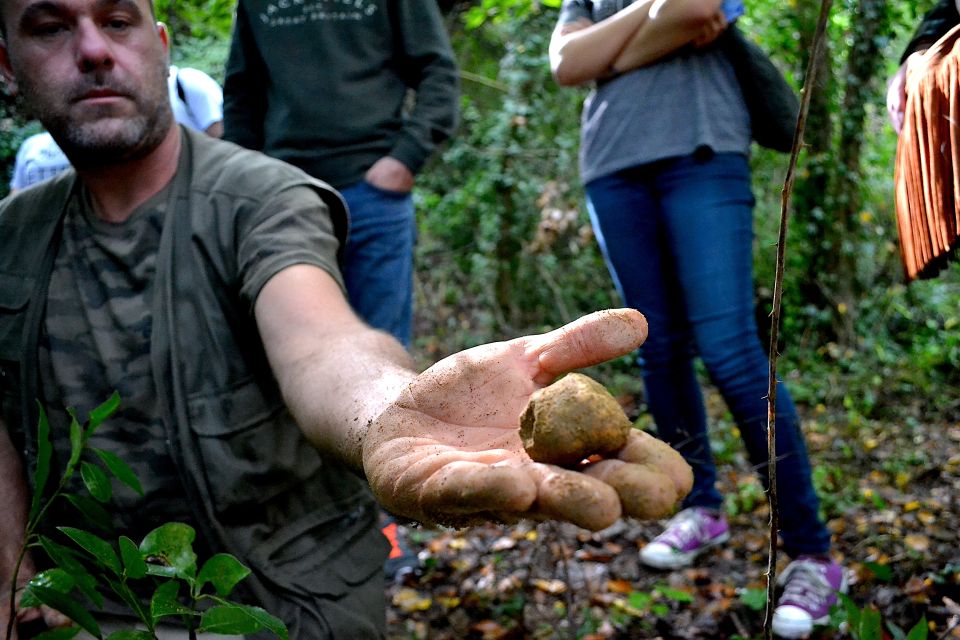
(448, 451)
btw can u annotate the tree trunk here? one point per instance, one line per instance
(871, 21)
(812, 208)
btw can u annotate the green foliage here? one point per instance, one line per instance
(196, 18)
(754, 599)
(505, 245)
(499, 11)
(838, 491)
(881, 572)
(867, 623)
(640, 604)
(510, 608)
(748, 496)
(164, 559)
(207, 53)
(674, 595)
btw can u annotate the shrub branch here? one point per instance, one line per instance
(807, 91)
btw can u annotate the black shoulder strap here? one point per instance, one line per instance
(180, 91)
(183, 94)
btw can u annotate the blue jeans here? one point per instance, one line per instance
(677, 237)
(378, 259)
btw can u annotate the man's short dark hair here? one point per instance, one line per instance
(3, 24)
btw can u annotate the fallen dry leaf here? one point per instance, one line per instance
(490, 630)
(917, 542)
(619, 586)
(552, 587)
(410, 600)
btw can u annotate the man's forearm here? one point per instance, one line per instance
(336, 374)
(338, 390)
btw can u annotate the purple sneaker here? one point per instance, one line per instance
(810, 586)
(688, 534)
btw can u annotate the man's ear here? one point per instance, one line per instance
(164, 38)
(6, 70)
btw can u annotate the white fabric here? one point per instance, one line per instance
(204, 98)
(39, 158)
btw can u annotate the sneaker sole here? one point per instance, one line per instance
(793, 630)
(679, 560)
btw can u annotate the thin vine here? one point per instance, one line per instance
(808, 84)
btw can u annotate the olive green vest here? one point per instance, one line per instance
(304, 523)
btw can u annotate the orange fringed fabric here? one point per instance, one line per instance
(927, 171)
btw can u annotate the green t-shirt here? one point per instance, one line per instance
(96, 340)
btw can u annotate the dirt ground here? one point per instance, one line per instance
(891, 493)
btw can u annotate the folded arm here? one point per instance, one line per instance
(642, 33)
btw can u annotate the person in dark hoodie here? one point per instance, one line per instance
(326, 87)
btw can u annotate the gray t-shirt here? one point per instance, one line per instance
(687, 100)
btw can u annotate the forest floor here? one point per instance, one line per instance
(890, 493)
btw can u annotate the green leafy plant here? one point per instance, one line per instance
(754, 599)
(163, 563)
(867, 624)
(748, 496)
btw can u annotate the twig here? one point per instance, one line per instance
(954, 610)
(808, 84)
(484, 80)
(741, 629)
(554, 288)
(946, 632)
(568, 577)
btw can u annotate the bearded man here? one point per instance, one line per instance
(200, 280)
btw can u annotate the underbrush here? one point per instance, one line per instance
(904, 365)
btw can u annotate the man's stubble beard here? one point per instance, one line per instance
(89, 147)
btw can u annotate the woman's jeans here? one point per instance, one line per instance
(677, 237)
(378, 259)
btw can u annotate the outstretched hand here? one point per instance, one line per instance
(448, 450)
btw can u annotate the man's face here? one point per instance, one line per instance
(94, 72)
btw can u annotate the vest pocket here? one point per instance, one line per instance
(325, 552)
(10, 402)
(15, 292)
(250, 449)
